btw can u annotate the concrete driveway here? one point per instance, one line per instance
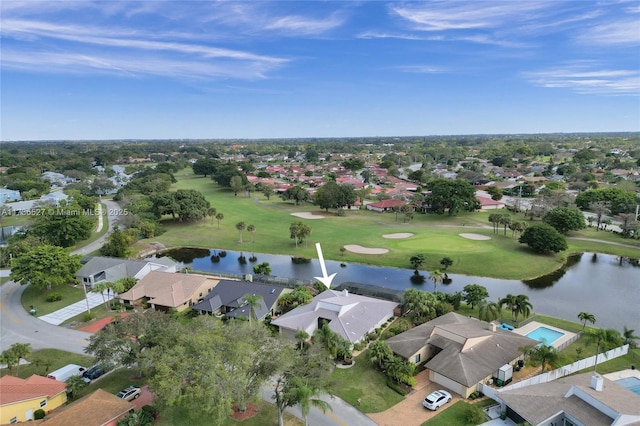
(410, 411)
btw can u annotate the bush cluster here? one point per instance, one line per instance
(54, 297)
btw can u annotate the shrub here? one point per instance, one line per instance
(38, 414)
(54, 297)
(474, 415)
(88, 316)
(357, 346)
(151, 410)
(396, 387)
(298, 259)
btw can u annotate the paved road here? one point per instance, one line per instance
(18, 326)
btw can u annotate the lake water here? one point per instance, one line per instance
(604, 285)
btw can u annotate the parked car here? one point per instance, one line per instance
(129, 393)
(65, 373)
(436, 399)
(93, 373)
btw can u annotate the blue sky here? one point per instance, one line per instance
(218, 69)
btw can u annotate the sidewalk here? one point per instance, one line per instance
(61, 315)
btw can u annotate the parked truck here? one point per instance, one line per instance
(65, 373)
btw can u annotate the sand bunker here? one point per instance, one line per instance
(477, 237)
(355, 248)
(398, 235)
(307, 215)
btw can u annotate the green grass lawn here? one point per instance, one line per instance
(46, 360)
(114, 381)
(435, 236)
(33, 296)
(456, 414)
(364, 387)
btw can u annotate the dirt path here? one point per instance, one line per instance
(604, 242)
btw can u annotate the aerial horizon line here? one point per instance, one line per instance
(130, 139)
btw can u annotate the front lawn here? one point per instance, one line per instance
(33, 296)
(45, 361)
(456, 414)
(364, 387)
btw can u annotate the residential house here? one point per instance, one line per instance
(459, 351)
(100, 268)
(99, 408)
(167, 290)
(580, 400)
(349, 315)
(9, 195)
(228, 298)
(19, 398)
(489, 204)
(385, 205)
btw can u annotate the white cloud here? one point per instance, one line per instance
(304, 25)
(421, 69)
(584, 79)
(620, 32)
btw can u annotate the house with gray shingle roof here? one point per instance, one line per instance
(228, 298)
(100, 268)
(581, 399)
(459, 351)
(350, 315)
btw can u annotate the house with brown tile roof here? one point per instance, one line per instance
(19, 398)
(99, 408)
(581, 399)
(166, 290)
(459, 351)
(385, 205)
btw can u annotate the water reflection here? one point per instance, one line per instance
(608, 287)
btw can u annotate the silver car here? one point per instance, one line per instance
(436, 399)
(129, 393)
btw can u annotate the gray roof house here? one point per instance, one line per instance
(350, 315)
(459, 351)
(228, 298)
(581, 399)
(100, 268)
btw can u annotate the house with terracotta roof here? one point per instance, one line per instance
(487, 203)
(460, 351)
(166, 290)
(99, 408)
(385, 205)
(349, 315)
(19, 398)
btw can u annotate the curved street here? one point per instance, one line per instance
(17, 326)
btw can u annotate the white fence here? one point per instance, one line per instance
(557, 373)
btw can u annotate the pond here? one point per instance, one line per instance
(6, 232)
(603, 285)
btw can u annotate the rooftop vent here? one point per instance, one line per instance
(597, 382)
(345, 292)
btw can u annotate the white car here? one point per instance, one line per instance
(436, 399)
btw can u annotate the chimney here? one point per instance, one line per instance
(492, 327)
(597, 382)
(345, 292)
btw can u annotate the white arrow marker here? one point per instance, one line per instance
(324, 279)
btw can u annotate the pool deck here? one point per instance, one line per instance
(622, 374)
(528, 328)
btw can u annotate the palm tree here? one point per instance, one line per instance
(211, 212)
(75, 384)
(437, 277)
(253, 301)
(305, 394)
(505, 220)
(489, 311)
(379, 352)
(586, 316)
(252, 230)
(523, 306)
(599, 208)
(545, 355)
(301, 336)
(606, 338)
(23, 350)
(629, 337)
(240, 226)
(509, 301)
(219, 217)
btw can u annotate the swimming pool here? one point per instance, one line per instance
(631, 383)
(545, 335)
